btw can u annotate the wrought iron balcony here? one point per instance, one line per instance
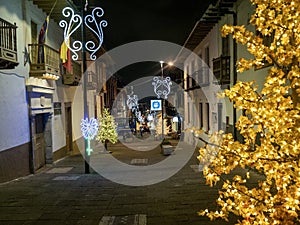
(8, 45)
(44, 62)
(72, 77)
(221, 69)
(199, 79)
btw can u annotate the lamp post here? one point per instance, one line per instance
(74, 23)
(162, 102)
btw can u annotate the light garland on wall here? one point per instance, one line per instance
(50, 76)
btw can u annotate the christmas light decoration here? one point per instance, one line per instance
(132, 101)
(107, 129)
(89, 129)
(162, 86)
(75, 22)
(269, 127)
(159, 129)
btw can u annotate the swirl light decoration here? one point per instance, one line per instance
(91, 22)
(162, 86)
(132, 101)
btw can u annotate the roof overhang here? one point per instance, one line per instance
(210, 18)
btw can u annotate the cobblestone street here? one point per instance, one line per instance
(63, 194)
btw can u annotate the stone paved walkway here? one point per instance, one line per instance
(63, 194)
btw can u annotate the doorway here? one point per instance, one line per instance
(68, 127)
(220, 119)
(39, 141)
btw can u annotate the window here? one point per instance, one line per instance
(190, 75)
(34, 36)
(199, 71)
(188, 112)
(206, 58)
(206, 67)
(208, 117)
(225, 46)
(8, 45)
(220, 122)
(201, 115)
(221, 69)
(186, 77)
(194, 69)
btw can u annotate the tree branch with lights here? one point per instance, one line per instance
(269, 127)
(107, 128)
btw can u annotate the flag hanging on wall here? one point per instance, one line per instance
(65, 56)
(42, 39)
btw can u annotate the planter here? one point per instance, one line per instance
(167, 149)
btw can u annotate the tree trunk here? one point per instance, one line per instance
(105, 145)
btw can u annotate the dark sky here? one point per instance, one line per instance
(135, 20)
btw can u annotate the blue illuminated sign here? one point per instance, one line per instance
(155, 105)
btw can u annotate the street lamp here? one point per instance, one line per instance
(91, 21)
(162, 88)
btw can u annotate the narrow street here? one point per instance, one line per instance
(63, 194)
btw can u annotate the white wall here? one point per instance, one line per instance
(54, 39)
(205, 94)
(245, 10)
(14, 122)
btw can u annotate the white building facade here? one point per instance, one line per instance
(219, 55)
(39, 116)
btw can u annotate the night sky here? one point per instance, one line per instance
(135, 20)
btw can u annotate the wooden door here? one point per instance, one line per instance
(68, 128)
(39, 142)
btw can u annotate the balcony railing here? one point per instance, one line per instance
(44, 62)
(72, 77)
(199, 78)
(221, 69)
(8, 45)
(203, 76)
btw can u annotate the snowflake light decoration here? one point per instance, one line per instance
(89, 129)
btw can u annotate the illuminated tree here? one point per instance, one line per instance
(269, 126)
(107, 128)
(159, 129)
